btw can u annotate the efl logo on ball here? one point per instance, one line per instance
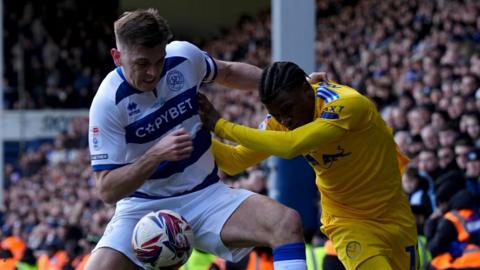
(162, 239)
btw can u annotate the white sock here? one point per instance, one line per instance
(290, 265)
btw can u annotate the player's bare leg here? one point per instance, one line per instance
(261, 221)
(108, 259)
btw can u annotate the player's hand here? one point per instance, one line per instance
(207, 112)
(316, 77)
(176, 145)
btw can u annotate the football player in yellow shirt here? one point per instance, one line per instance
(350, 147)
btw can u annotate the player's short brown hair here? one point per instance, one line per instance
(142, 27)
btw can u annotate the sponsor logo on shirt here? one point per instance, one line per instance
(329, 159)
(167, 116)
(152, 126)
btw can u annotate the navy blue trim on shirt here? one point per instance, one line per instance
(109, 167)
(215, 69)
(172, 62)
(124, 90)
(201, 144)
(329, 115)
(207, 74)
(211, 179)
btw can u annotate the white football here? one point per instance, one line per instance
(162, 239)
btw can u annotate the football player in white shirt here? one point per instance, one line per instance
(149, 151)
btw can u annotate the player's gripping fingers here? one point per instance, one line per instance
(207, 112)
(316, 77)
(184, 152)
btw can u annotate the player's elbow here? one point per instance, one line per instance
(107, 196)
(287, 155)
(290, 152)
(105, 191)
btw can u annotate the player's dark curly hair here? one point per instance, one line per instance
(280, 76)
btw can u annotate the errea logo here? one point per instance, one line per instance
(132, 108)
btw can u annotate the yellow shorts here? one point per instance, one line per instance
(357, 240)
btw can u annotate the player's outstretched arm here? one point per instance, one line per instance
(244, 76)
(115, 184)
(238, 75)
(286, 144)
(235, 159)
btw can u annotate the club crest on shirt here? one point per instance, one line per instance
(175, 80)
(353, 249)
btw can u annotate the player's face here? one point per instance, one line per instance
(142, 66)
(293, 108)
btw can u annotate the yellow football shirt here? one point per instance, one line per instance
(348, 144)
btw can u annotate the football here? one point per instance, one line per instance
(162, 239)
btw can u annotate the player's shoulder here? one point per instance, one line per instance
(181, 48)
(332, 92)
(107, 91)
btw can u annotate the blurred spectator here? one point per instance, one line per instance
(447, 136)
(56, 67)
(417, 190)
(456, 242)
(473, 171)
(472, 127)
(462, 147)
(28, 261)
(428, 166)
(404, 140)
(446, 159)
(429, 137)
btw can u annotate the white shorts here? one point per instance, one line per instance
(206, 210)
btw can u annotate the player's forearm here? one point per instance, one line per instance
(121, 182)
(234, 160)
(238, 75)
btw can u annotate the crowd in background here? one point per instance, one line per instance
(418, 60)
(56, 52)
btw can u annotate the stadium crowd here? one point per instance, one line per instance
(418, 60)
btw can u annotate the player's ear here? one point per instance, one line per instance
(116, 56)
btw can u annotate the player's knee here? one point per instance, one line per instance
(289, 227)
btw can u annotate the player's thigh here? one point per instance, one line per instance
(262, 221)
(355, 243)
(376, 262)
(108, 259)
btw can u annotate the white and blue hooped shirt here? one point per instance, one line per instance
(126, 122)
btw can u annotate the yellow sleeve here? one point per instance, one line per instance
(235, 159)
(286, 144)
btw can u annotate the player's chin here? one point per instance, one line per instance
(146, 87)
